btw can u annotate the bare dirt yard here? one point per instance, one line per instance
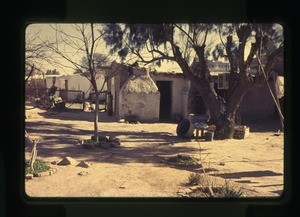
(137, 168)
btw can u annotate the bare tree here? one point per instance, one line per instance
(84, 41)
(36, 55)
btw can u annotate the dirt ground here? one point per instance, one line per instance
(136, 168)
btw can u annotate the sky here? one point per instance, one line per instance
(46, 32)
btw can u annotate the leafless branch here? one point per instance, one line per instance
(188, 35)
(221, 38)
(30, 73)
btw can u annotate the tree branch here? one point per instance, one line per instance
(205, 37)
(221, 38)
(188, 35)
(243, 32)
(270, 63)
(30, 73)
(254, 47)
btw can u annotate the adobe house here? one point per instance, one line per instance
(134, 93)
(174, 90)
(178, 97)
(155, 96)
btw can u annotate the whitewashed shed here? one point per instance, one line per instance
(139, 96)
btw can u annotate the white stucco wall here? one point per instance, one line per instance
(75, 82)
(179, 91)
(145, 106)
(139, 96)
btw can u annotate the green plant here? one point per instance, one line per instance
(228, 190)
(194, 179)
(183, 160)
(38, 166)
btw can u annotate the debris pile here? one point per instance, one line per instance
(104, 142)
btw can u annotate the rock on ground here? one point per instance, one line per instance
(29, 176)
(67, 161)
(84, 164)
(83, 173)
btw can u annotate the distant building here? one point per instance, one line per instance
(75, 82)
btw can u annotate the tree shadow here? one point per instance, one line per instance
(279, 192)
(141, 136)
(78, 115)
(47, 130)
(59, 140)
(265, 186)
(121, 155)
(246, 181)
(270, 125)
(239, 175)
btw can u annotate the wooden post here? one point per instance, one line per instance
(66, 89)
(197, 133)
(109, 104)
(83, 101)
(33, 154)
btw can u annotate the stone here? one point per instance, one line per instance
(88, 145)
(67, 161)
(29, 176)
(83, 173)
(222, 164)
(121, 121)
(114, 141)
(113, 138)
(84, 164)
(115, 144)
(79, 142)
(54, 162)
(46, 173)
(101, 138)
(53, 171)
(105, 145)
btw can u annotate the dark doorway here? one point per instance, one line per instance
(164, 88)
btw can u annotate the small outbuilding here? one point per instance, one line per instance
(139, 97)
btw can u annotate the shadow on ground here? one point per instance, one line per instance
(267, 125)
(239, 175)
(78, 115)
(60, 140)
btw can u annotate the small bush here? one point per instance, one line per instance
(183, 160)
(230, 191)
(194, 179)
(38, 167)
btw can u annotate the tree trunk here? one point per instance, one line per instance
(224, 126)
(96, 116)
(226, 120)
